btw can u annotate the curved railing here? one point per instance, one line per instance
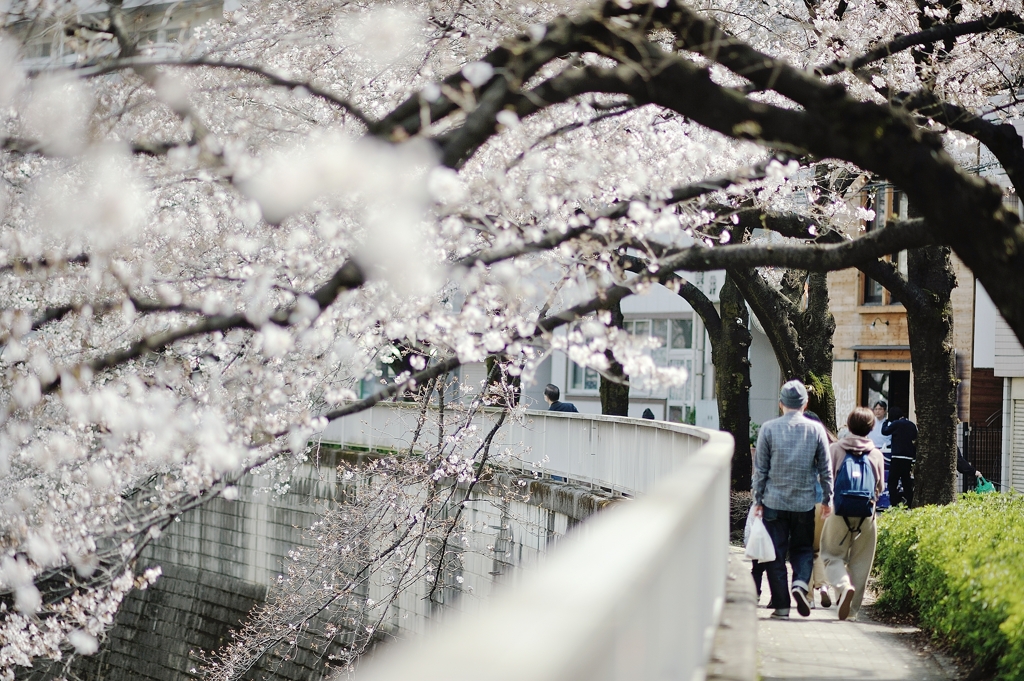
(620, 454)
(637, 596)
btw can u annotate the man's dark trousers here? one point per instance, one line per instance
(899, 471)
(791, 532)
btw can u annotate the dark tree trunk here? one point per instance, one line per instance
(775, 312)
(801, 339)
(730, 345)
(615, 390)
(935, 382)
(730, 356)
(816, 329)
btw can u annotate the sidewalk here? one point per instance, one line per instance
(822, 647)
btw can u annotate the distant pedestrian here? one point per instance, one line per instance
(648, 414)
(551, 395)
(848, 538)
(791, 454)
(881, 441)
(903, 453)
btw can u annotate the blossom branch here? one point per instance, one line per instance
(986, 24)
(348, 276)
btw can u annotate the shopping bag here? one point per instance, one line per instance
(984, 486)
(759, 544)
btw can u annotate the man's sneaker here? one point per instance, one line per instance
(826, 600)
(845, 601)
(802, 606)
(780, 614)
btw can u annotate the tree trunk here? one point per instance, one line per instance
(730, 356)
(935, 382)
(802, 340)
(615, 393)
(730, 346)
(817, 326)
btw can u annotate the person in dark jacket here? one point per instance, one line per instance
(904, 451)
(964, 467)
(551, 395)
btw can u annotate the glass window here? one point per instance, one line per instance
(659, 329)
(584, 378)
(872, 292)
(643, 327)
(628, 326)
(682, 334)
(681, 392)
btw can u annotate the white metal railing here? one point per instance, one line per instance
(621, 454)
(637, 596)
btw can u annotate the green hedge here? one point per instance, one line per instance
(961, 568)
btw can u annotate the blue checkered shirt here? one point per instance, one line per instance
(791, 454)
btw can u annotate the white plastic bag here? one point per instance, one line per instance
(758, 542)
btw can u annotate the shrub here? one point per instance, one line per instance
(961, 568)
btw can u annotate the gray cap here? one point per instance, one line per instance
(793, 395)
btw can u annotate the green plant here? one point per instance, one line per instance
(755, 428)
(961, 568)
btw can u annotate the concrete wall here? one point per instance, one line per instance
(220, 560)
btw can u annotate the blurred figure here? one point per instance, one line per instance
(648, 414)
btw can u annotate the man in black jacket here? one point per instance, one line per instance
(551, 395)
(904, 451)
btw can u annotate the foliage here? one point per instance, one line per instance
(959, 567)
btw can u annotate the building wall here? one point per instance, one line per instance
(875, 337)
(1009, 356)
(765, 379)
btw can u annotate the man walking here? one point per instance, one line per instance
(904, 451)
(792, 453)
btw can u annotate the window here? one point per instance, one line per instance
(681, 392)
(888, 204)
(874, 294)
(891, 387)
(676, 334)
(659, 330)
(682, 334)
(584, 379)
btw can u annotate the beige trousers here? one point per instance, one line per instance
(848, 556)
(818, 573)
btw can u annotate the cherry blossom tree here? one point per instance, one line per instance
(206, 247)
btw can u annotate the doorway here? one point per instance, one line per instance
(891, 387)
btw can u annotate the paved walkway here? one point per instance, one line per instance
(822, 647)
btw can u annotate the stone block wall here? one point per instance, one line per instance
(221, 559)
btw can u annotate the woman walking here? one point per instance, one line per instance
(848, 536)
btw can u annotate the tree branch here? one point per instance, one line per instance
(986, 24)
(272, 78)
(621, 208)
(811, 257)
(1002, 139)
(348, 276)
